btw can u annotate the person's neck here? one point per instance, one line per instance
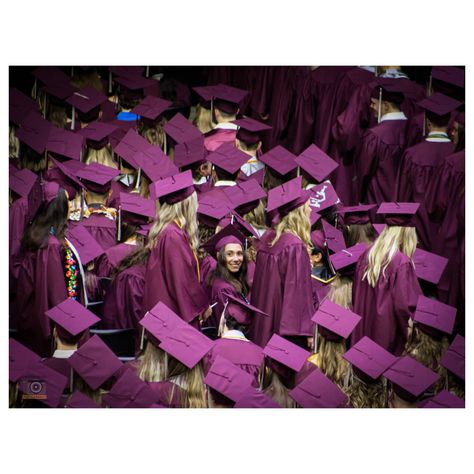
(433, 129)
(131, 240)
(226, 119)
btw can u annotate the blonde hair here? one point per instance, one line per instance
(203, 119)
(330, 360)
(275, 389)
(13, 143)
(184, 213)
(191, 380)
(340, 291)
(297, 223)
(391, 240)
(151, 364)
(103, 156)
(256, 217)
(154, 135)
(367, 395)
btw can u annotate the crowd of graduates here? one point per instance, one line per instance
(236, 237)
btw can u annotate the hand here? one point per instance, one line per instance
(205, 315)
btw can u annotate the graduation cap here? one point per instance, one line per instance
(245, 196)
(429, 266)
(369, 360)
(190, 152)
(97, 134)
(151, 108)
(279, 160)
(257, 176)
(454, 357)
(186, 344)
(287, 197)
(135, 210)
(250, 130)
(127, 71)
(438, 107)
(253, 398)
(228, 157)
(335, 322)
(20, 358)
(20, 105)
(97, 178)
(317, 391)
(86, 245)
(398, 213)
(205, 93)
(356, 215)
(173, 189)
(237, 221)
(130, 145)
(129, 391)
(227, 98)
(334, 237)
(22, 181)
(180, 130)
(445, 399)
(87, 102)
(345, 260)
(34, 131)
(227, 378)
(388, 90)
(241, 310)
(228, 235)
(95, 362)
(434, 317)
(59, 91)
(323, 196)
(409, 378)
(155, 164)
(65, 143)
(213, 208)
(133, 87)
(286, 352)
(50, 75)
(317, 164)
(79, 400)
(66, 175)
(449, 74)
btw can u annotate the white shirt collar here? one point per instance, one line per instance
(201, 180)
(394, 73)
(441, 139)
(224, 183)
(234, 334)
(226, 126)
(310, 185)
(393, 116)
(63, 353)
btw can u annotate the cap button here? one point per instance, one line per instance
(132, 398)
(370, 357)
(187, 344)
(286, 352)
(95, 362)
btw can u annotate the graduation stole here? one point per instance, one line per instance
(71, 272)
(176, 221)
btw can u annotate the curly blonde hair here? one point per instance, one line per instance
(391, 240)
(367, 395)
(297, 223)
(103, 156)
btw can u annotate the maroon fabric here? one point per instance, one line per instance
(171, 276)
(102, 228)
(168, 394)
(282, 289)
(218, 294)
(17, 220)
(385, 309)
(117, 187)
(217, 137)
(108, 262)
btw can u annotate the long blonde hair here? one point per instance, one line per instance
(203, 119)
(184, 213)
(13, 143)
(330, 360)
(391, 240)
(274, 388)
(297, 223)
(152, 364)
(340, 291)
(103, 156)
(192, 381)
(367, 395)
(256, 217)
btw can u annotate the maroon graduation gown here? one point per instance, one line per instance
(220, 290)
(109, 261)
(43, 286)
(124, 299)
(168, 394)
(385, 309)
(17, 220)
(415, 174)
(282, 289)
(172, 276)
(103, 229)
(243, 353)
(377, 160)
(217, 137)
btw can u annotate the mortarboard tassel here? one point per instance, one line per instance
(73, 118)
(119, 226)
(72, 71)
(147, 71)
(110, 82)
(81, 216)
(142, 339)
(380, 106)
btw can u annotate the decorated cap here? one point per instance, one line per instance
(129, 391)
(398, 213)
(72, 317)
(356, 215)
(79, 400)
(151, 107)
(227, 98)
(20, 105)
(228, 157)
(65, 143)
(334, 321)
(189, 153)
(334, 237)
(95, 362)
(279, 160)
(87, 102)
(34, 131)
(228, 235)
(317, 164)
(245, 196)
(227, 378)
(429, 266)
(20, 358)
(173, 189)
(434, 317)
(445, 399)
(97, 134)
(180, 129)
(130, 145)
(287, 197)
(155, 164)
(135, 209)
(86, 245)
(409, 378)
(323, 196)
(348, 257)
(286, 352)
(368, 359)
(240, 310)
(454, 357)
(97, 178)
(439, 104)
(317, 391)
(250, 130)
(22, 181)
(253, 398)
(186, 344)
(449, 74)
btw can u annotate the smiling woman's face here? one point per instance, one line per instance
(234, 256)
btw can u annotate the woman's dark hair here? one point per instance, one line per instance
(51, 219)
(32, 160)
(238, 280)
(461, 144)
(357, 233)
(138, 257)
(233, 324)
(127, 231)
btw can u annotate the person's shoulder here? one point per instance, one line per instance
(400, 260)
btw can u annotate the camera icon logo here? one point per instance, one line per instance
(33, 389)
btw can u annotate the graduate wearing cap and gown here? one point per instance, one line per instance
(282, 280)
(173, 274)
(387, 307)
(420, 162)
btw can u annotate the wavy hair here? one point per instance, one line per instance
(193, 394)
(184, 213)
(359, 233)
(391, 240)
(330, 360)
(297, 223)
(103, 156)
(151, 364)
(367, 395)
(273, 387)
(340, 291)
